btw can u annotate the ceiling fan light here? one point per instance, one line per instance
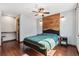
(40, 14)
(41, 10)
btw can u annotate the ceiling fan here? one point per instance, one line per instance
(41, 12)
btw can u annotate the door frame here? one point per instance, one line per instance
(18, 29)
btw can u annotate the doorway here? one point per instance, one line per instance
(10, 29)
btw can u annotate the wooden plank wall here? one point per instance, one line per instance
(52, 22)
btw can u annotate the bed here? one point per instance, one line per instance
(42, 42)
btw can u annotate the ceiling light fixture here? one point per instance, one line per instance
(40, 11)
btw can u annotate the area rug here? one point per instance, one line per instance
(51, 53)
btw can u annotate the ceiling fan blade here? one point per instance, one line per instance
(46, 12)
(35, 11)
(36, 14)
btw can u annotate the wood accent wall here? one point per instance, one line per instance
(52, 22)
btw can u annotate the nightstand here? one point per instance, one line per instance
(63, 41)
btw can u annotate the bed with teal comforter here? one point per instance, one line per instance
(43, 41)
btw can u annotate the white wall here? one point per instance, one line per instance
(67, 26)
(39, 25)
(77, 27)
(8, 24)
(28, 26)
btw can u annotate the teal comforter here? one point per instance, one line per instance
(48, 43)
(45, 40)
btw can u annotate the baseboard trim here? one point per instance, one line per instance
(9, 40)
(71, 45)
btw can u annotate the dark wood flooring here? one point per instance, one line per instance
(13, 49)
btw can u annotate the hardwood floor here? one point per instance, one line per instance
(66, 51)
(12, 49)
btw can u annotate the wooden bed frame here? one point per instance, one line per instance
(43, 51)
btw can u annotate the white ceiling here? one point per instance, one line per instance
(27, 8)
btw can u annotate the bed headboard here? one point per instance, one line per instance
(51, 31)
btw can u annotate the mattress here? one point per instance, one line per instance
(43, 38)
